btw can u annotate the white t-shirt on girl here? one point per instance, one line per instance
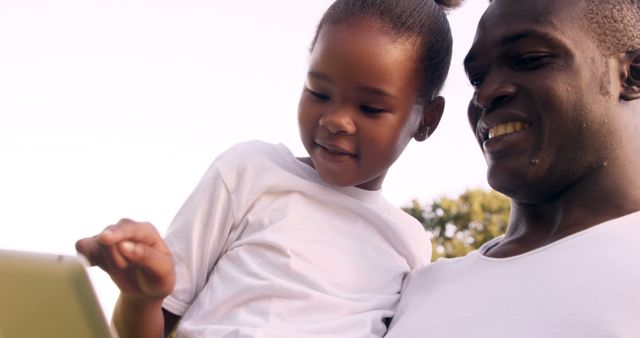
(265, 248)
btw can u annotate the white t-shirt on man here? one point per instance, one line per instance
(264, 248)
(586, 285)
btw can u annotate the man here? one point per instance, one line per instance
(557, 114)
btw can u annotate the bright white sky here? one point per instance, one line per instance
(112, 109)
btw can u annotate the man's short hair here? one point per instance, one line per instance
(615, 24)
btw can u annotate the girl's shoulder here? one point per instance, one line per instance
(254, 152)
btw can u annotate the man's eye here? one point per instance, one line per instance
(370, 110)
(531, 61)
(318, 95)
(476, 81)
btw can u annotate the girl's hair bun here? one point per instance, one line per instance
(449, 4)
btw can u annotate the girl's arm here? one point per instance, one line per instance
(138, 318)
(141, 265)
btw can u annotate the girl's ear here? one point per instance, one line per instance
(631, 76)
(431, 115)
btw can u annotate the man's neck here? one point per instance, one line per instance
(534, 225)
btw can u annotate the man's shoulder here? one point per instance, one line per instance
(445, 266)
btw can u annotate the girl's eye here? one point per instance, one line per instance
(318, 95)
(370, 110)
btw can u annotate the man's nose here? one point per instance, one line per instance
(493, 93)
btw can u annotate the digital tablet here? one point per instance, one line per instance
(48, 295)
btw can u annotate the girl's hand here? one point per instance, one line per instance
(136, 258)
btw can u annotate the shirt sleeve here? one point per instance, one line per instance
(199, 234)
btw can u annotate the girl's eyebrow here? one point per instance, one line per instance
(377, 91)
(319, 76)
(365, 89)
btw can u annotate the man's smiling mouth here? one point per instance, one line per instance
(506, 128)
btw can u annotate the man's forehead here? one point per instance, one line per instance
(507, 21)
(531, 12)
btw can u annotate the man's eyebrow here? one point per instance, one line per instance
(531, 33)
(470, 58)
(509, 39)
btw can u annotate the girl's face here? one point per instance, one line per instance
(359, 107)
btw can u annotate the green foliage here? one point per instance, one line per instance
(460, 225)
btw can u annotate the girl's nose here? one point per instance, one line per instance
(338, 121)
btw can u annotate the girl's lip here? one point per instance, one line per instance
(335, 148)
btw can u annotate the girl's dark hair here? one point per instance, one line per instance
(424, 21)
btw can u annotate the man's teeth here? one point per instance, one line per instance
(507, 128)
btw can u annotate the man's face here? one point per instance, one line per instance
(542, 108)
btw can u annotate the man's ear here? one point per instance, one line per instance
(431, 115)
(631, 76)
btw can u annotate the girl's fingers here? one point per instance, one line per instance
(90, 249)
(103, 256)
(115, 260)
(128, 230)
(156, 265)
(154, 262)
(128, 243)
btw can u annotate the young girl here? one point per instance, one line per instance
(269, 245)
